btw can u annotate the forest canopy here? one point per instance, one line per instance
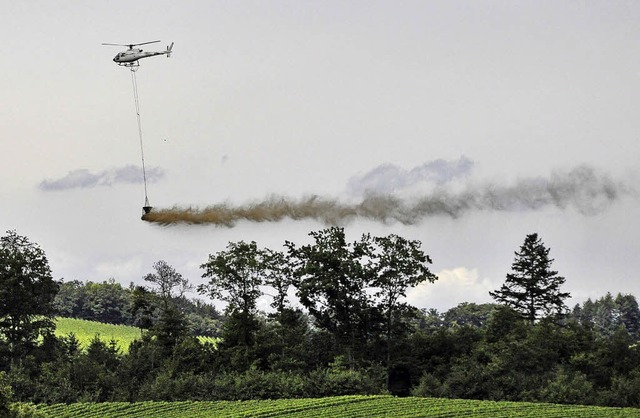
(338, 324)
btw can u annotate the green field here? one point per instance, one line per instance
(85, 331)
(335, 407)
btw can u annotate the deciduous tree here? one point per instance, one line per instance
(235, 277)
(27, 290)
(168, 280)
(331, 278)
(398, 264)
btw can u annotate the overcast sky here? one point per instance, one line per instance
(510, 104)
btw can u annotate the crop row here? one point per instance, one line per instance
(335, 407)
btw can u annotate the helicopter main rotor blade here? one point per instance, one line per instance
(131, 45)
(144, 43)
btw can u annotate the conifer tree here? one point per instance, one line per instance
(532, 288)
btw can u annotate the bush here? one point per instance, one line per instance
(14, 410)
(429, 387)
(568, 387)
(331, 382)
(5, 395)
(25, 410)
(255, 384)
(625, 391)
(169, 387)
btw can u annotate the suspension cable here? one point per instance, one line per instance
(137, 102)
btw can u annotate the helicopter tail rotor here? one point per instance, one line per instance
(169, 48)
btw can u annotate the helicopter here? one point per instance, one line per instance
(130, 57)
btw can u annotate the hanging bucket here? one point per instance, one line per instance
(147, 209)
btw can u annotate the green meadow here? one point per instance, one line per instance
(85, 331)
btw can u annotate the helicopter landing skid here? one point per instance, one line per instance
(131, 65)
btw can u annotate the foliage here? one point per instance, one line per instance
(607, 314)
(27, 290)
(568, 387)
(354, 334)
(25, 410)
(6, 394)
(166, 278)
(532, 289)
(170, 329)
(103, 302)
(331, 280)
(468, 314)
(109, 302)
(235, 277)
(142, 307)
(398, 264)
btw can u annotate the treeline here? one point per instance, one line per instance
(338, 325)
(109, 302)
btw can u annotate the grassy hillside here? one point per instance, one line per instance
(336, 407)
(85, 331)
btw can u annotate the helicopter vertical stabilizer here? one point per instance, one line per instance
(169, 48)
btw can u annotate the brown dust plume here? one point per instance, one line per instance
(583, 189)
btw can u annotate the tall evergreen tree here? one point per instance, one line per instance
(532, 288)
(605, 317)
(629, 314)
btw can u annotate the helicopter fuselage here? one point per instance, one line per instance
(130, 57)
(133, 55)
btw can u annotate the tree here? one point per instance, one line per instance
(170, 329)
(629, 314)
(235, 277)
(142, 307)
(171, 325)
(68, 300)
(277, 274)
(6, 394)
(398, 264)
(167, 279)
(532, 289)
(331, 278)
(468, 314)
(285, 336)
(605, 317)
(27, 290)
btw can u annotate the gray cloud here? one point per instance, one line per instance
(83, 178)
(389, 178)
